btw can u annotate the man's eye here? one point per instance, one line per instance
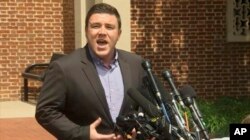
(110, 27)
(95, 26)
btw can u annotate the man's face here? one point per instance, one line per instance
(102, 33)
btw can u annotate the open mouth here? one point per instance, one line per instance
(101, 42)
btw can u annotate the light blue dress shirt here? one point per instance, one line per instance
(112, 82)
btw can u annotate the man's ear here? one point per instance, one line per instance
(119, 33)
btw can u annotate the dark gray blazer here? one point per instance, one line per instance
(72, 96)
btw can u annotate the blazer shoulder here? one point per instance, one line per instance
(129, 56)
(72, 59)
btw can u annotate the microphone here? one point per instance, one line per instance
(167, 76)
(168, 98)
(187, 93)
(150, 109)
(147, 89)
(147, 67)
(173, 109)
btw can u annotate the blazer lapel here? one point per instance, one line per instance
(90, 71)
(126, 73)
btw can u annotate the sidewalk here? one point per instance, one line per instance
(16, 109)
(17, 122)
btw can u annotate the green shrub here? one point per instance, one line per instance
(218, 114)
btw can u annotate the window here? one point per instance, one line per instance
(238, 20)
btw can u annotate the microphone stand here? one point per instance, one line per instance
(147, 67)
(188, 98)
(177, 98)
(179, 119)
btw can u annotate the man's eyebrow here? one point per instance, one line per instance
(110, 24)
(94, 23)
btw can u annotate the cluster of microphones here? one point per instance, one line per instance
(163, 115)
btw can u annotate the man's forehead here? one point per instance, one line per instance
(103, 15)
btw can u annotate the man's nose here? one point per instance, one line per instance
(102, 31)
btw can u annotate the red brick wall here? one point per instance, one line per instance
(188, 37)
(30, 30)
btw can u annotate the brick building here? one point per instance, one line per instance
(188, 37)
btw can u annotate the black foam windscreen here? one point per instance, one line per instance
(187, 91)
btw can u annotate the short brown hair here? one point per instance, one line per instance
(103, 8)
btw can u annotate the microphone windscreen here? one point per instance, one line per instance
(146, 65)
(187, 91)
(150, 109)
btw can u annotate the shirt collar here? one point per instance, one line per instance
(98, 61)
